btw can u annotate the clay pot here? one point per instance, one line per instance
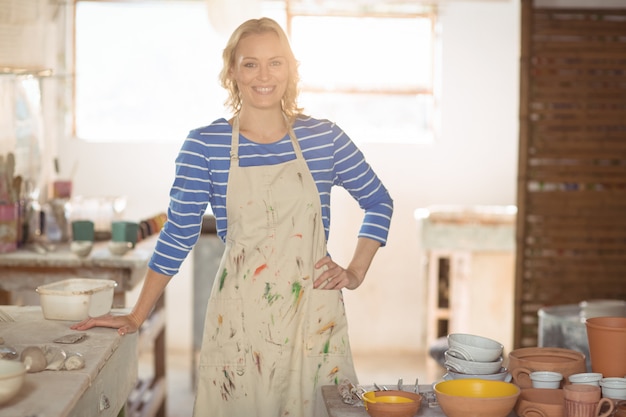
(538, 402)
(523, 361)
(607, 344)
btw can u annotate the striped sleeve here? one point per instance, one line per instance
(202, 162)
(359, 179)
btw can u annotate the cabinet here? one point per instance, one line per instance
(469, 254)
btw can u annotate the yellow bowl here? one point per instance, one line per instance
(371, 397)
(392, 403)
(476, 397)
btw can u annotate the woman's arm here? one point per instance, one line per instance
(153, 286)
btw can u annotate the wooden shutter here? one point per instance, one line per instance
(571, 226)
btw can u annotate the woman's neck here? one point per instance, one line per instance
(262, 126)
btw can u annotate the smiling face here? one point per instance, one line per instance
(261, 71)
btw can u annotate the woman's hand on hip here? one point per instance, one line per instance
(335, 277)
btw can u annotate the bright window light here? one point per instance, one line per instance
(148, 71)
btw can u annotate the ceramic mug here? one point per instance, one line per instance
(124, 231)
(83, 230)
(585, 401)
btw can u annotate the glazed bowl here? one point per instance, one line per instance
(81, 248)
(391, 403)
(502, 375)
(472, 347)
(586, 378)
(614, 388)
(476, 397)
(471, 367)
(535, 402)
(12, 375)
(523, 361)
(546, 379)
(119, 248)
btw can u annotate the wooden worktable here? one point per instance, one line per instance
(100, 389)
(337, 408)
(26, 269)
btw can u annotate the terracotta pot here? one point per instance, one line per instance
(523, 361)
(538, 402)
(607, 344)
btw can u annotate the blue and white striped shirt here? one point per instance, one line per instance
(202, 168)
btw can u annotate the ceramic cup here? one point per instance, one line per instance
(546, 379)
(83, 230)
(587, 378)
(124, 231)
(586, 401)
(614, 388)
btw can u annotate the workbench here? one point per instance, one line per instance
(100, 389)
(337, 408)
(26, 269)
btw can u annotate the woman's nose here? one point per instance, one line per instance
(264, 72)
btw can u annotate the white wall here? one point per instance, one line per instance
(473, 162)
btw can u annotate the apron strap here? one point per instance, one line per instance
(234, 147)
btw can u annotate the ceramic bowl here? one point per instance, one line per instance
(476, 397)
(535, 402)
(81, 247)
(473, 347)
(502, 375)
(587, 378)
(523, 361)
(546, 379)
(614, 388)
(391, 403)
(12, 375)
(471, 367)
(119, 248)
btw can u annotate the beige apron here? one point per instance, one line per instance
(271, 340)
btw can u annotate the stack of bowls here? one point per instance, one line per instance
(472, 356)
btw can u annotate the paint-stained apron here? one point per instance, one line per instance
(271, 340)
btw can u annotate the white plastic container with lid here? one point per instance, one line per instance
(76, 298)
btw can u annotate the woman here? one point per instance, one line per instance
(275, 328)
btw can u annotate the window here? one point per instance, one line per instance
(153, 76)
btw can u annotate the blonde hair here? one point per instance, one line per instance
(260, 26)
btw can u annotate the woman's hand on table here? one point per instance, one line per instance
(123, 323)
